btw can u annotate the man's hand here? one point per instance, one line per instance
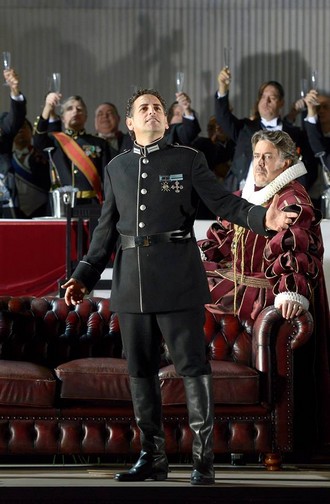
(75, 292)
(51, 102)
(12, 80)
(312, 102)
(224, 80)
(185, 103)
(290, 309)
(276, 219)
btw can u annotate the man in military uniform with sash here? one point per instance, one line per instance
(159, 284)
(79, 157)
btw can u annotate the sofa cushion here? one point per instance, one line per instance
(94, 378)
(106, 378)
(26, 384)
(232, 384)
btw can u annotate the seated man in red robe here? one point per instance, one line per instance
(248, 272)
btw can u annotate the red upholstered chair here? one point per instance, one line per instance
(64, 387)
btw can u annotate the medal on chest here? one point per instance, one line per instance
(171, 182)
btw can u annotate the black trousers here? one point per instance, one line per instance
(183, 334)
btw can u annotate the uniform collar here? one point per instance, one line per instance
(143, 150)
(75, 134)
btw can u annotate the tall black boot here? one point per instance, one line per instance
(199, 394)
(152, 463)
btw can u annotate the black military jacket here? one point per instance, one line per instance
(97, 149)
(156, 189)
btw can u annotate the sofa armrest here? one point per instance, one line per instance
(274, 340)
(270, 325)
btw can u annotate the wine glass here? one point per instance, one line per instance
(300, 104)
(179, 82)
(6, 62)
(303, 87)
(226, 56)
(314, 76)
(55, 83)
(314, 79)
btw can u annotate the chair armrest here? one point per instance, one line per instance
(271, 325)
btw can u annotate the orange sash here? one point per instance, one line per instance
(76, 154)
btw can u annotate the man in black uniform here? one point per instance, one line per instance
(151, 198)
(79, 157)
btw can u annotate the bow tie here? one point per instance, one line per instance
(272, 126)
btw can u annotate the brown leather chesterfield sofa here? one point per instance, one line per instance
(64, 388)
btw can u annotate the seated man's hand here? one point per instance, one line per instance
(290, 309)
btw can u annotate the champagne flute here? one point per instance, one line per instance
(55, 83)
(6, 62)
(303, 87)
(226, 59)
(226, 56)
(314, 76)
(300, 104)
(314, 79)
(179, 82)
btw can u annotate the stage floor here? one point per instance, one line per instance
(87, 484)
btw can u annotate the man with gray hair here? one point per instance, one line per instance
(79, 157)
(248, 272)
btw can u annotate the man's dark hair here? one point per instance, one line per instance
(141, 92)
(137, 94)
(273, 83)
(255, 112)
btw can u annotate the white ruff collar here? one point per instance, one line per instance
(267, 192)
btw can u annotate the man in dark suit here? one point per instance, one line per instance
(267, 112)
(10, 123)
(159, 284)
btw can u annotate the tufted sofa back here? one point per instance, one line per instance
(48, 332)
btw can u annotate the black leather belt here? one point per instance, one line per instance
(128, 242)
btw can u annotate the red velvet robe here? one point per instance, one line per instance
(290, 260)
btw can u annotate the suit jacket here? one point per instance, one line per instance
(241, 132)
(10, 123)
(318, 142)
(150, 190)
(183, 133)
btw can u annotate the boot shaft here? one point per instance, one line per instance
(147, 404)
(200, 404)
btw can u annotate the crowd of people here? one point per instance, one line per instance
(60, 128)
(265, 248)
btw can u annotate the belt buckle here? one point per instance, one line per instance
(142, 241)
